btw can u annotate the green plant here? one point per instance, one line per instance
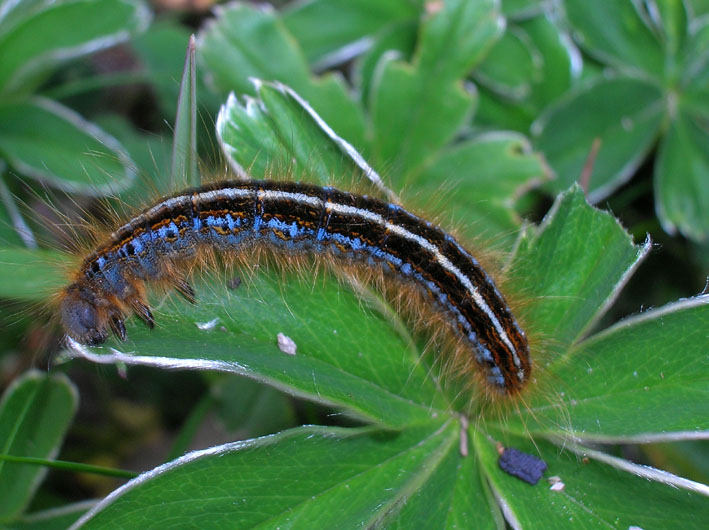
(654, 88)
(67, 151)
(405, 467)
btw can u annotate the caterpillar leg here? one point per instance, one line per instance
(143, 311)
(117, 326)
(185, 289)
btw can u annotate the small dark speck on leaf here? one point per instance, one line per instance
(524, 466)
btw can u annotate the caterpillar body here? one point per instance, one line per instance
(294, 217)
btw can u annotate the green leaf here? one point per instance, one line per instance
(616, 32)
(246, 42)
(559, 63)
(634, 366)
(524, 9)
(31, 274)
(333, 31)
(35, 412)
(672, 21)
(695, 75)
(348, 355)
(417, 108)
(250, 140)
(509, 67)
(699, 7)
(681, 177)
(151, 154)
(688, 458)
(573, 267)
(623, 114)
(397, 39)
(278, 135)
(251, 407)
(8, 235)
(14, 231)
(456, 36)
(414, 115)
(552, 65)
(40, 42)
(12, 12)
(595, 495)
(501, 114)
(311, 477)
(486, 175)
(454, 496)
(51, 143)
(184, 145)
(159, 49)
(53, 519)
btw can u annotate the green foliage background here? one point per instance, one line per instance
(488, 112)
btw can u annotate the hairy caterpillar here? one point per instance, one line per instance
(297, 218)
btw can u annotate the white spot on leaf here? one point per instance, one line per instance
(207, 326)
(286, 344)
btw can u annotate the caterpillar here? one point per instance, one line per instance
(296, 218)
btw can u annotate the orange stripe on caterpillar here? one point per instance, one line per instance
(295, 218)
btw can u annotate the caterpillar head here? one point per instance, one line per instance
(88, 315)
(84, 315)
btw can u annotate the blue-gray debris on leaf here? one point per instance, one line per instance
(522, 465)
